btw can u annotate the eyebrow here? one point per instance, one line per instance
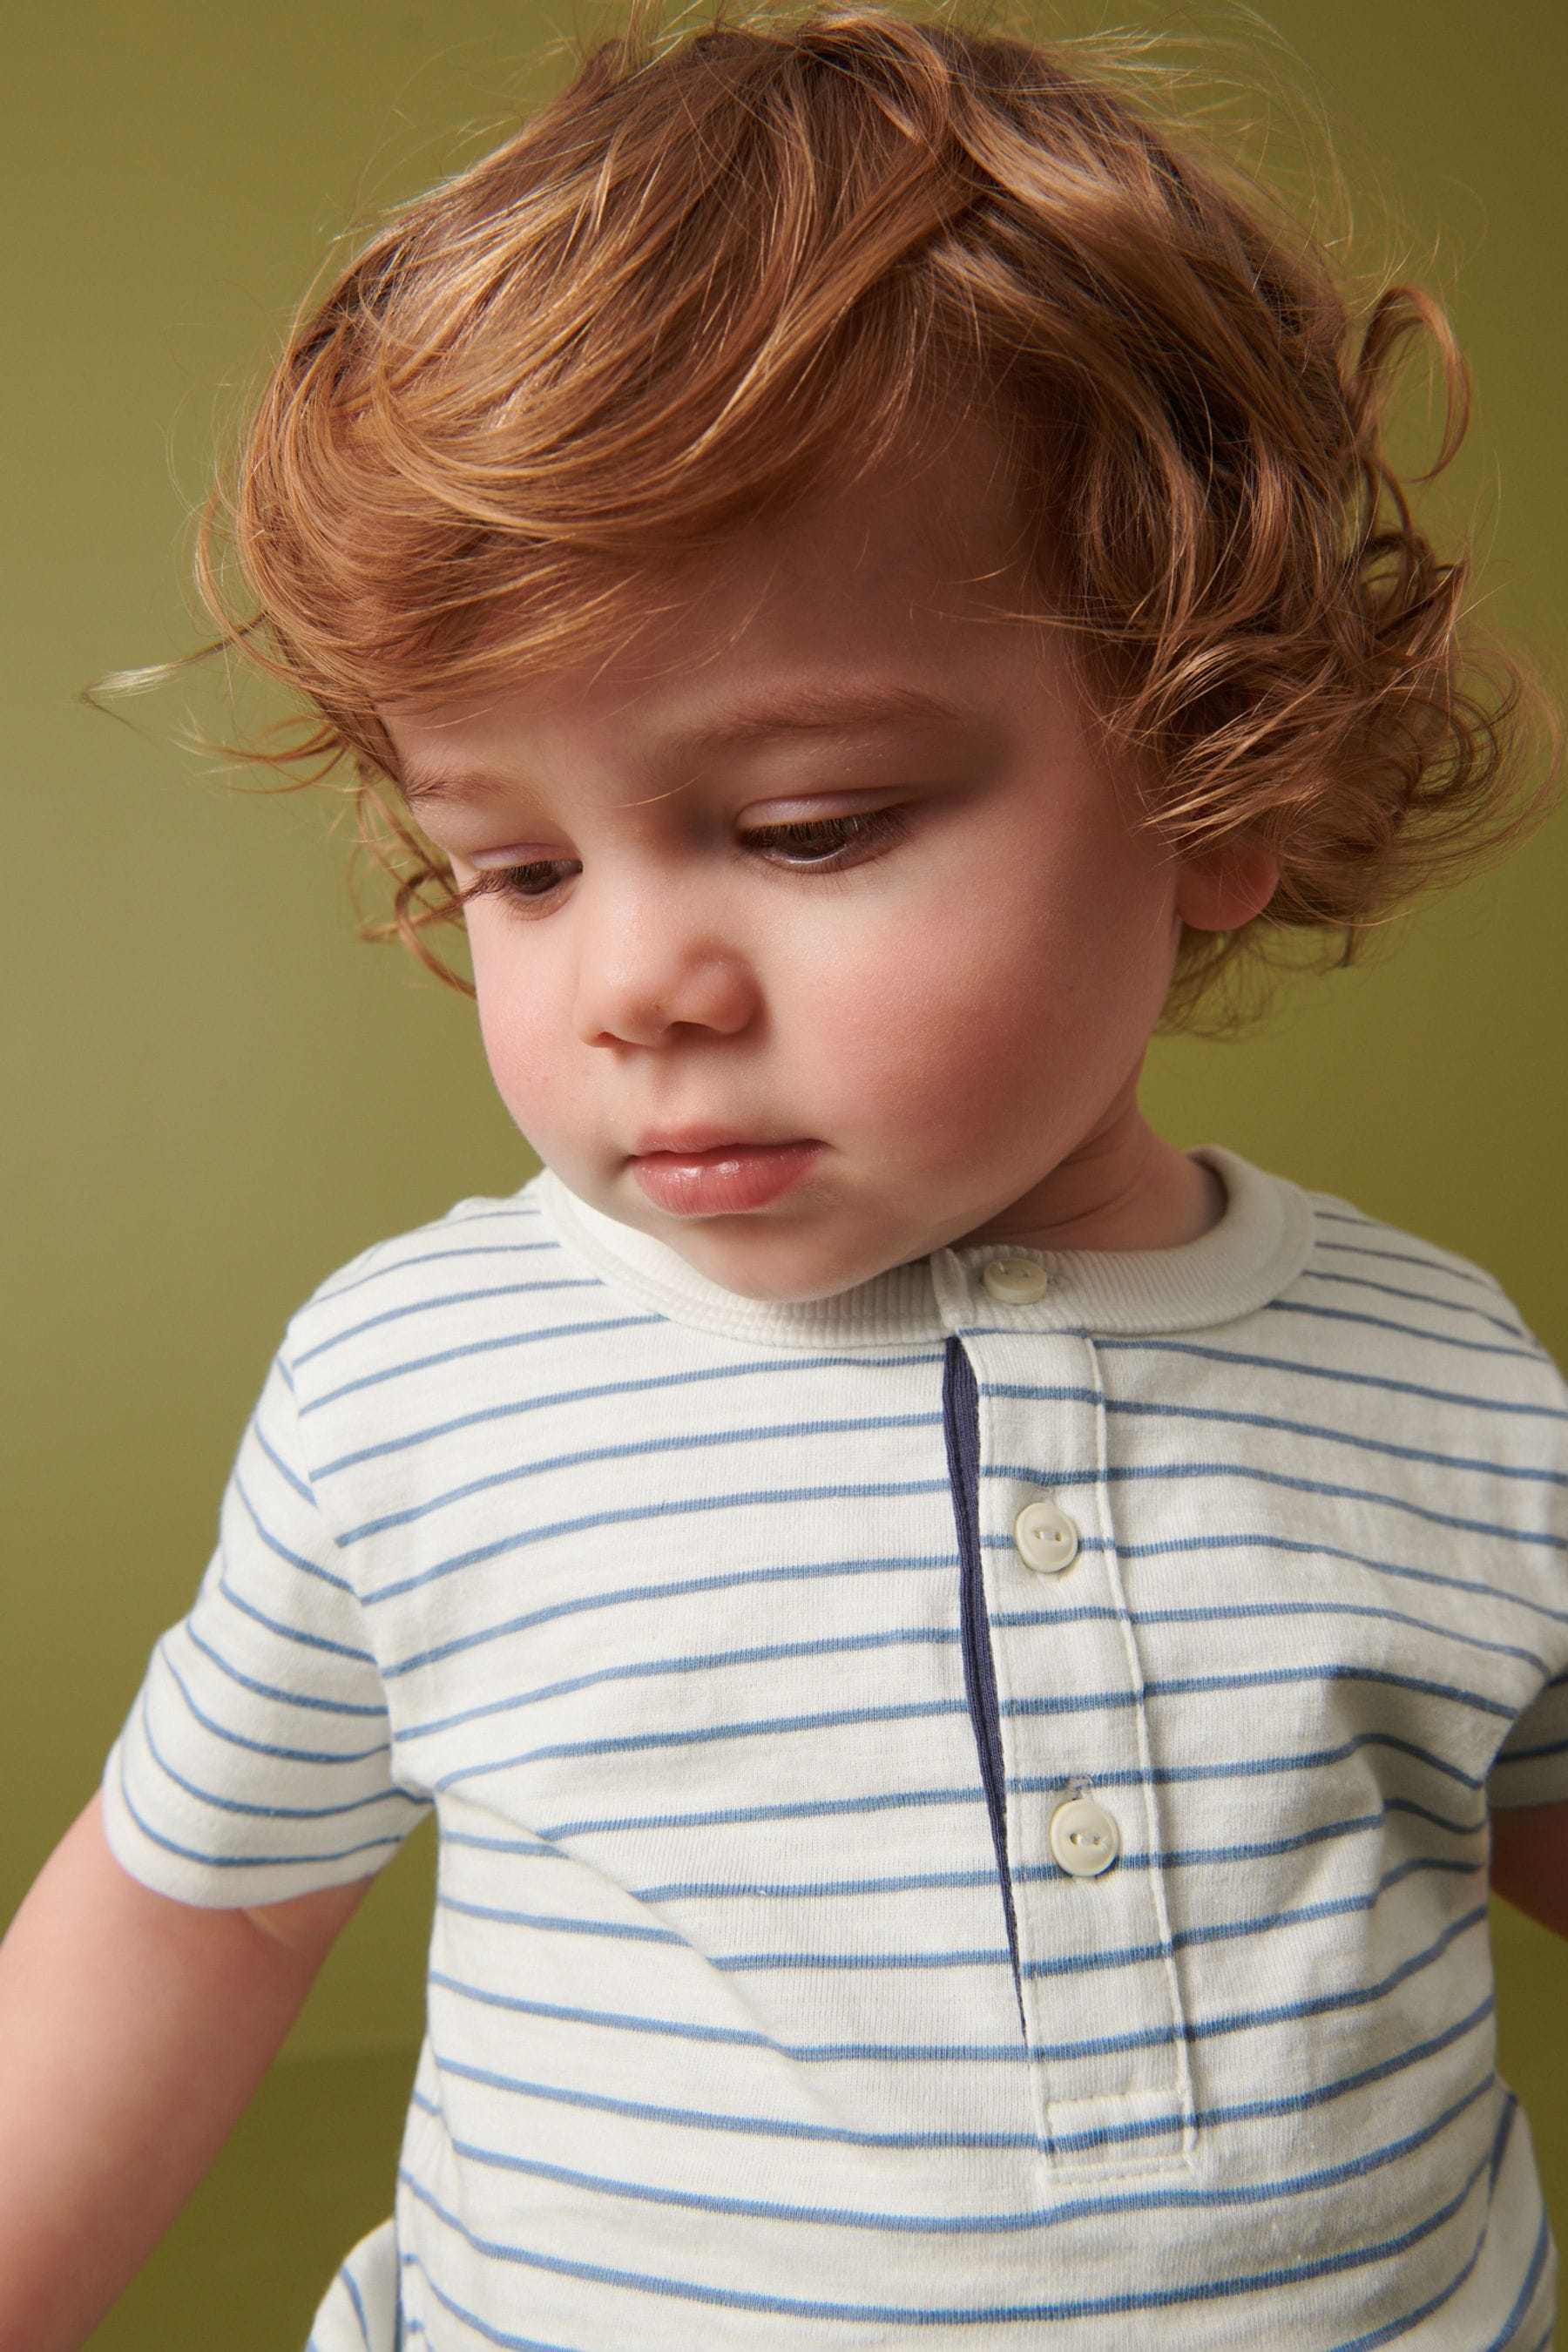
(808, 712)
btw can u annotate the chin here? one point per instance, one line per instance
(765, 1268)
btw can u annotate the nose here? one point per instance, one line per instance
(656, 966)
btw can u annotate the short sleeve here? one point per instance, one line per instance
(256, 1762)
(1532, 1767)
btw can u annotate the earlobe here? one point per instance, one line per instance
(1225, 889)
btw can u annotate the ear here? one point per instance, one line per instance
(1225, 888)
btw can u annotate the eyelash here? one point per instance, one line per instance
(845, 840)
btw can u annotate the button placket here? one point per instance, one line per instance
(1106, 2038)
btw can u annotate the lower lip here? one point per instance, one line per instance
(733, 1177)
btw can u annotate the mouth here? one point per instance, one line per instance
(687, 1177)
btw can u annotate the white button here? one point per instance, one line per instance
(1045, 1539)
(1085, 1840)
(1016, 1281)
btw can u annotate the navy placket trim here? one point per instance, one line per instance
(960, 1426)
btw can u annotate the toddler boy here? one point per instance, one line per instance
(960, 1654)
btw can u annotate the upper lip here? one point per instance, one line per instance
(679, 1139)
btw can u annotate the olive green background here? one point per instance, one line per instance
(213, 1096)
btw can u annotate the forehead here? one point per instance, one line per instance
(900, 604)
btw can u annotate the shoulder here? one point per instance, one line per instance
(1408, 1296)
(1364, 1255)
(481, 1250)
(1363, 1250)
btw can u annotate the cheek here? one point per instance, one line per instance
(952, 1012)
(521, 1029)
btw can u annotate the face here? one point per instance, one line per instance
(819, 931)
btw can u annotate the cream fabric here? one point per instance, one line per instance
(700, 1624)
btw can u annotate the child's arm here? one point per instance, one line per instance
(132, 2031)
(1530, 1862)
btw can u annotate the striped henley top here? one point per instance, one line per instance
(961, 1805)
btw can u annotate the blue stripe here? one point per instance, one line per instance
(1266, 1679)
(680, 1587)
(1010, 2053)
(1302, 1371)
(281, 1549)
(1146, 1473)
(892, 1801)
(269, 1812)
(1405, 1330)
(1530, 1755)
(922, 2315)
(265, 1747)
(1484, 1465)
(1402, 2327)
(1420, 1297)
(1292, 2104)
(557, 1397)
(710, 2119)
(1104, 2136)
(237, 1602)
(381, 1258)
(1006, 2052)
(432, 1257)
(1285, 2012)
(687, 1442)
(802, 1809)
(1408, 2320)
(477, 1348)
(304, 1356)
(1241, 1612)
(507, 2342)
(532, 1846)
(1469, 1273)
(1086, 1963)
(252, 1861)
(1031, 2219)
(268, 1690)
(1322, 2094)
(719, 1889)
(637, 1514)
(699, 1734)
(347, 2277)
(1124, 1777)
(558, 1923)
(1256, 1849)
(1527, 2292)
(742, 1963)
(1265, 1542)
(709, 1662)
(1183, 1939)
(924, 1881)
(1045, 1392)
(789, 2129)
(287, 1475)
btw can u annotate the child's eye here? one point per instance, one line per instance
(526, 884)
(826, 841)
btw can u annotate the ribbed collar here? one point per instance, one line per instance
(1255, 1251)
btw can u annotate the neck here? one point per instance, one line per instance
(1124, 1188)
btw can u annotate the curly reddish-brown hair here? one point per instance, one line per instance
(727, 268)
